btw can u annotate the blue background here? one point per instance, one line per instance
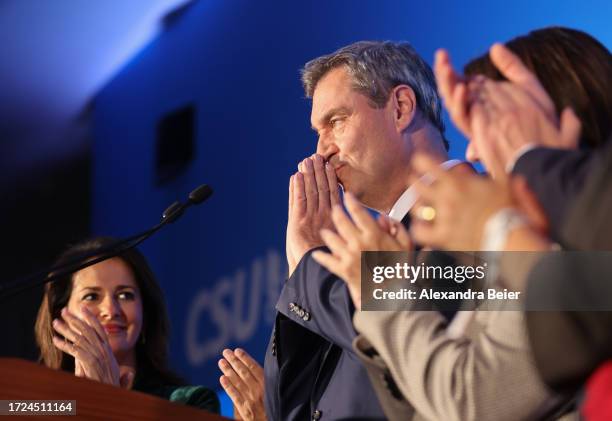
(238, 63)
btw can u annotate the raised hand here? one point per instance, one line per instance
(501, 119)
(461, 202)
(352, 237)
(86, 340)
(313, 190)
(243, 381)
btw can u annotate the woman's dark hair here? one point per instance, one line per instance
(152, 345)
(573, 67)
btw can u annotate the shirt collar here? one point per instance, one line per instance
(407, 200)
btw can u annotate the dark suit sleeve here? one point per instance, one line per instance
(556, 176)
(578, 282)
(319, 301)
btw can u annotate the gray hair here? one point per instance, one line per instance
(376, 68)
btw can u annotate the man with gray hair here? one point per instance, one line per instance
(374, 104)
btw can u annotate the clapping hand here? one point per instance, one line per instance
(362, 233)
(502, 118)
(243, 380)
(86, 340)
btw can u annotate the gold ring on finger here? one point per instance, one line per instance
(426, 213)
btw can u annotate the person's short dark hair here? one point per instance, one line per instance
(573, 67)
(376, 67)
(152, 345)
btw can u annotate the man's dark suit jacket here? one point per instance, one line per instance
(311, 370)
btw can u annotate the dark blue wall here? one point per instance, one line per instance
(222, 265)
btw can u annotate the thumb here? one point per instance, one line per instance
(511, 66)
(126, 380)
(513, 69)
(570, 127)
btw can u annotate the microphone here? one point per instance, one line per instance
(197, 196)
(200, 194)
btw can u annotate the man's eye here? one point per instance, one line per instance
(126, 295)
(92, 296)
(336, 122)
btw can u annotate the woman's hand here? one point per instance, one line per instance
(361, 234)
(86, 341)
(459, 204)
(502, 119)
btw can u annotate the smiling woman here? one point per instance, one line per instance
(108, 322)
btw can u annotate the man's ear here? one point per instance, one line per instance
(403, 101)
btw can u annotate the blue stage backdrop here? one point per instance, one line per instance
(237, 62)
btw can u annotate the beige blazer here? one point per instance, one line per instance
(420, 370)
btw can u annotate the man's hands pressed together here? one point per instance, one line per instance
(313, 190)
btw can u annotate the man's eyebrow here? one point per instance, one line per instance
(329, 114)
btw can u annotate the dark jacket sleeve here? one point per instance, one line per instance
(556, 176)
(576, 287)
(319, 301)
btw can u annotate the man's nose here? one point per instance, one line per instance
(326, 147)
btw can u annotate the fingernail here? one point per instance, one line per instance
(239, 352)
